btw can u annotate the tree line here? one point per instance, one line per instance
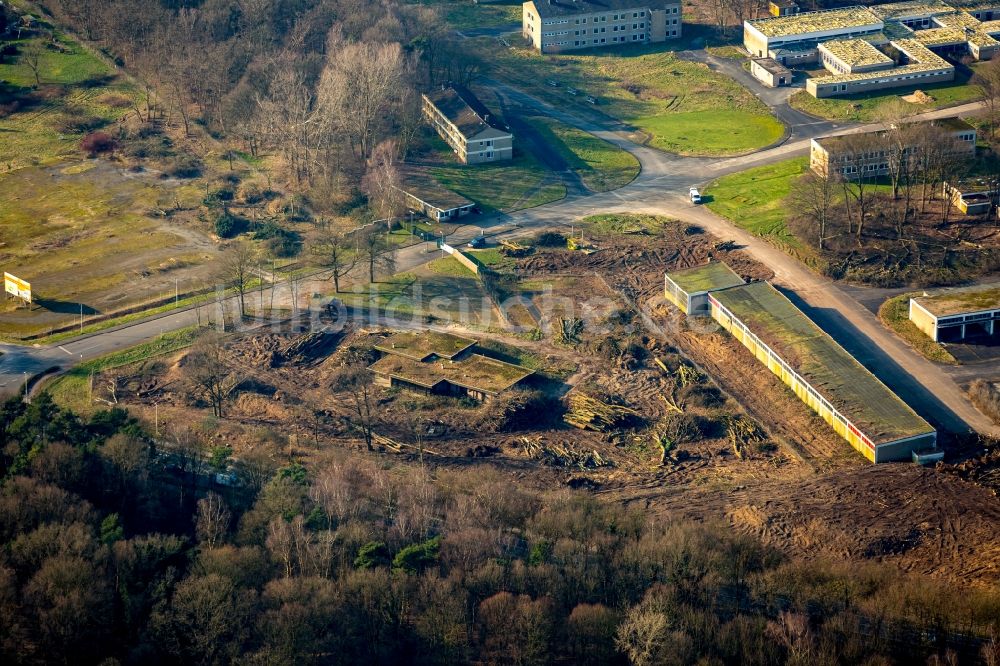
(116, 550)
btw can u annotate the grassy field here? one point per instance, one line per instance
(676, 105)
(521, 183)
(464, 14)
(754, 199)
(601, 166)
(864, 108)
(895, 313)
(72, 389)
(79, 229)
(441, 293)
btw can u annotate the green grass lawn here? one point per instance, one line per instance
(465, 14)
(676, 105)
(754, 199)
(865, 108)
(601, 166)
(506, 186)
(895, 313)
(72, 389)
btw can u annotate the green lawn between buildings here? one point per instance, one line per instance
(601, 166)
(754, 199)
(677, 105)
(520, 183)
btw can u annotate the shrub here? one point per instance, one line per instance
(228, 225)
(149, 147)
(280, 241)
(372, 554)
(520, 409)
(185, 166)
(97, 143)
(417, 556)
(76, 122)
(707, 397)
(356, 200)
(986, 397)
(218, 196)
(550, 239)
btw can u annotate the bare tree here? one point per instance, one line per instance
(239, 270)
(382, 183)
(859, 163)
(357, 380)
(359, 86)
(378, 252)
(209, 372)
(337, 254)
(31, 56)
(212, 519)
(815, 196)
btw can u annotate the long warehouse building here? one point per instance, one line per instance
(824, 375)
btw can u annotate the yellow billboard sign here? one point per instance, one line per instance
(15, 286)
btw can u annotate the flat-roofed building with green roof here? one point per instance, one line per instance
(444, 364)
(858, 406)
(688, 288)
(957, 314)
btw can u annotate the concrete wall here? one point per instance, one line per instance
(923, 320)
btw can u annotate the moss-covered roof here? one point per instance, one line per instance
(962, 301)
(475, 372)
(854, 391)
(419, 345)
(714, 275)
(821, 21)
(855, 53)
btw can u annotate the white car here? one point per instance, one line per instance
(695, 195)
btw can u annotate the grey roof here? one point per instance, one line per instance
(464, 110)
(553, 8)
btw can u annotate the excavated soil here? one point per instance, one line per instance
(807, 492)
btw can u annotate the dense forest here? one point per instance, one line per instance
(118, 550)
(321, 82)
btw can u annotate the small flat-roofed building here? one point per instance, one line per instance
(425, 195)
(688, 288)
(971, 197)
(957, 314)
(443, 364)
(858, 406)
(770, 72)
(472, 131)
(782, 7)
(557, 26)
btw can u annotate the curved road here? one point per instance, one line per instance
(661, 189)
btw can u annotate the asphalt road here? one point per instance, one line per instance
(661, 189)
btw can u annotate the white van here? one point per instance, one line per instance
(695, 195)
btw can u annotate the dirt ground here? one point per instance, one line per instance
(801, 489)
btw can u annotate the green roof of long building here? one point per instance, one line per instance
(826, 366)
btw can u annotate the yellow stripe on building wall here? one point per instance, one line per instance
(800, 389)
